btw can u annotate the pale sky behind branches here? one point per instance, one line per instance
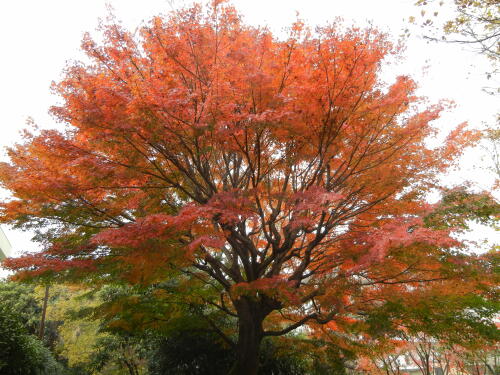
(38, 38)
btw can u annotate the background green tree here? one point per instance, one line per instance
(21, 353)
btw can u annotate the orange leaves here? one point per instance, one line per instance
(230, 207)
(316, 198)
(282, 172)
(207, 241)
(306, 205)
(399, 251)
(276, 287)
(457, 140)
(134, 234)
(38, 264)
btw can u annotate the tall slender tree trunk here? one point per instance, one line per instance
(41, 330)
(250, 334)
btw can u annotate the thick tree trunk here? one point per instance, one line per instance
(250, 334)
(247, 349)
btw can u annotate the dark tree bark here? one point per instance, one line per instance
(251, 314)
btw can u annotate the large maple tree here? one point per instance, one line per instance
(281, 173)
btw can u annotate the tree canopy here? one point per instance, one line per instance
(278, 180)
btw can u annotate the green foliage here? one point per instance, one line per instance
(317, 356)
(459, 207)
(76, 336)
(119, 354)
(202, 352)
(20, 300)
(20, 352)
(467, 320)
(191, 352)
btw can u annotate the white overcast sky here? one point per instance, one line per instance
(38, 37)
